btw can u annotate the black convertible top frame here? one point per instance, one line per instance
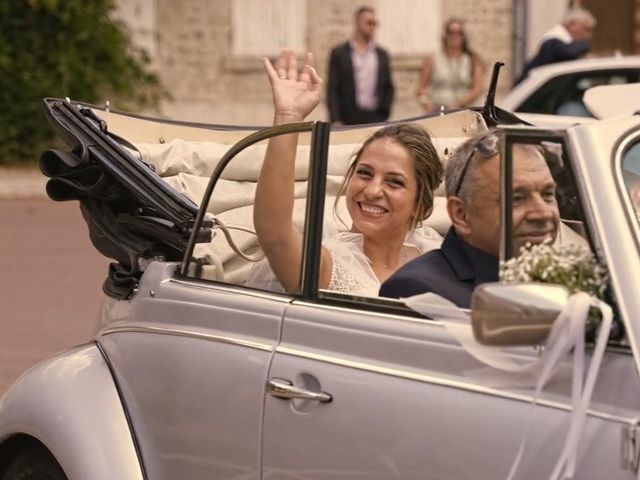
(132, 214)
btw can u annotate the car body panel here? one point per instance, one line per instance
(212, 347)
(546, 120)
(71, 405)
(400, 408)
(601, 148)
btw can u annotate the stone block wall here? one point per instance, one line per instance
(490, 28)
(193, 55)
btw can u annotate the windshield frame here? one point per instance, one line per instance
(632, 215)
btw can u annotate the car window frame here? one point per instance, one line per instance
(527, 135)
(314, 208)
(512, 135)
(522, 135)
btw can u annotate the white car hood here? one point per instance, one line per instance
(608, 101)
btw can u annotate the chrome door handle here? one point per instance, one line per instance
(280, 388)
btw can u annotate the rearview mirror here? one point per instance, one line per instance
(515, 314)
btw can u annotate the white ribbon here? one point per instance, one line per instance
(567, 333)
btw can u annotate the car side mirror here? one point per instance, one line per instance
(515, 314)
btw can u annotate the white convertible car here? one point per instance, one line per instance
(194, 374)
(558, 88)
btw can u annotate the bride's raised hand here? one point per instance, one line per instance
(295, 94)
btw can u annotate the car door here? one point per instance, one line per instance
(365, 388)
(407, 401)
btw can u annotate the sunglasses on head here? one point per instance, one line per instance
(486, 146)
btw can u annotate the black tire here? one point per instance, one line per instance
(34, 462)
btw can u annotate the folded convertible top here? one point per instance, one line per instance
(133, 216)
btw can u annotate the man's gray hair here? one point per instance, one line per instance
(579, 14)
(457, 166)
(460, 175)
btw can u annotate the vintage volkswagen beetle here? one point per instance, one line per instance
(193, 374)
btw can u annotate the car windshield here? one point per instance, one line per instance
(631, 177)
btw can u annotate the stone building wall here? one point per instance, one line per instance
(490, 25)
(192, 54)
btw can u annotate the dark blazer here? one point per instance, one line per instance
(555, 50)
(341, 91)
(452, 271)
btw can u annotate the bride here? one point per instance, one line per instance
(388, 190)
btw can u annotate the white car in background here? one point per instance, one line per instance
(558, 88)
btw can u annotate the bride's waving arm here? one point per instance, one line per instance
(295, 95)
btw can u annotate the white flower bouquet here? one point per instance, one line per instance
(573, 266)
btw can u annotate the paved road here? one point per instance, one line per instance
(50, 282)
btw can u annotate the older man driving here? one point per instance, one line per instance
(469, 254)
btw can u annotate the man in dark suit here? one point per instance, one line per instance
(569, 40)
(360, 89)
(469, 254)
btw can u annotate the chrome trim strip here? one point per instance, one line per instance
(394, 372)
(620, 184)
(237, 289)
(373, 313)
(230, 288)
(187, 334)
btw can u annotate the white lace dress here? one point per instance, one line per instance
(351, 271)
